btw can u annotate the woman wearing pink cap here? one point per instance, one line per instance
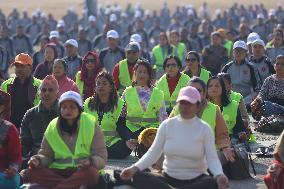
(184, 165)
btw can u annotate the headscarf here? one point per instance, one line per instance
(97, 69)
(51, 81)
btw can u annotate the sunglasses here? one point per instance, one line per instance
(191, 60)
(90, 61)
(171, 65)
(47, 89)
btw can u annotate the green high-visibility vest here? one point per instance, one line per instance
(159, 56)
(124, 76)
(235, 96)
(108, 122)
(36, 83)
(230, 115)
(209, 115)
(204, 75)
(79, 82)
(136, 116)
(63, 157)
(162, 84)
(228, 45)
(179, 50)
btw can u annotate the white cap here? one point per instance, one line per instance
(92, 18)
(258, 42)
(136, 38)
(71, 95)
(218, 12)
(60, 23)
(190, 12)
(261, 16)
(137, 14)
(112, 18)
(72, 42)
(112, 34)
(54, 34)
(252, 37)
(272, 12)
(240, 44)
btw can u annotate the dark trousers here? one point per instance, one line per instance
(64, 179)
(118, 151)
(149, 180)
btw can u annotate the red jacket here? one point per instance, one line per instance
(10, 147)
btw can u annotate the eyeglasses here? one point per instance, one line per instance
(90, 61)
(191, 60)
(47, 89)
(171, 65)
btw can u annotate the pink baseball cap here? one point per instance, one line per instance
(189, 94)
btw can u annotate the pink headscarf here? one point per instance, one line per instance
(51, 81)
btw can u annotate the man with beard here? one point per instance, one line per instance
(23, 88)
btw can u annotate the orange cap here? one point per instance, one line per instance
(24, 59)
(222, 32)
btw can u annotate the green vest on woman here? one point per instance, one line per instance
(162, 84)
(138, 118)
(63, 157)
(108, 122)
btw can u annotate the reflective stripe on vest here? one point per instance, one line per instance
(79, 82)
(204, 75)
(108, 123)
(64, 158)
(162, 84)
(159, 56)
(124, 76)
(209, 115)
(230, 115)
(236, 96)
(136, 116)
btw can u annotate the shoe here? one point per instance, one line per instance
(264, 152)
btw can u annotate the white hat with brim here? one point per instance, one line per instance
(54, 34)
(72, 42)
(258, 42)
(112, 34)
(240, 44)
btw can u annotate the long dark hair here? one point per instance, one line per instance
(149, 70)
(95, 102)
(224, 95)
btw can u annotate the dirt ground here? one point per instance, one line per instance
(58, 7)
